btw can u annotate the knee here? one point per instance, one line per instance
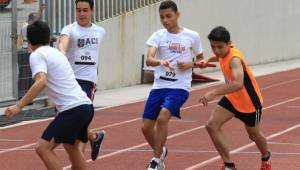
(162, 121)
(40, 150)
(163, 118)
(43, 147)
(146, 129)
(81, 147)
(211, 126)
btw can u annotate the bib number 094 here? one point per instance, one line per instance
(85, 58)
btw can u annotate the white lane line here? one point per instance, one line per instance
(279, 84)
(32, 144)
(213, 159)
(284, 143)
(183, 121)
(137, 146)
(98, 128)
(186, 151)
(140, 145)
(11, 140)
(25, 123)
(140, 100)
(286, 101)
(17, 148)
(132, 120)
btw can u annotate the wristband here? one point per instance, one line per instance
(19, 106)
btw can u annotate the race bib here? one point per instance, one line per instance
(169, 74)
(85, 59)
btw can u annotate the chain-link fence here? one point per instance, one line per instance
(15, 74)
(6, 61)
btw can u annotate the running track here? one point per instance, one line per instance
(188, 142)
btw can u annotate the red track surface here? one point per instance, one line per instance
(189, 145)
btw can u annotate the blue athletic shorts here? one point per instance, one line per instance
(171, 99)
(70, 125)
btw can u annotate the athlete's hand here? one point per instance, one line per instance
(165, 63)
(202, 64)
(184, 65)
(209, 96)
(12, 111)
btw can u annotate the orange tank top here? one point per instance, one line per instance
(249, 98)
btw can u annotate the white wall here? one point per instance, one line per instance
(265, 30)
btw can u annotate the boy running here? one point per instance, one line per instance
(52, 72)
(170, 51)
(80, 42)
(242, 98)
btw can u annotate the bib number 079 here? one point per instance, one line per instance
(170, 74)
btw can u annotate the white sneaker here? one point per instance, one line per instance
(153, 165)
(162, 158)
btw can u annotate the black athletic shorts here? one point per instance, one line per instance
(88, 87)
(250, 119)
(70, 125)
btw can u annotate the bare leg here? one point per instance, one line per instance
(218, 117)
(257, 136)
(148, 130)
(161, 132)
(91, 136)
(45, 150)
(76, 156)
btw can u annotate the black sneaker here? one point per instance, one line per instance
(95, 145)
(153, 165)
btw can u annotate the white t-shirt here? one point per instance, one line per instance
(62, 87)
(83, 52)
(24, 35)
(174, 47)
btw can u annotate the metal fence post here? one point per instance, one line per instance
(14, 36)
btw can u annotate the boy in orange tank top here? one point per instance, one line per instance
(241, 98)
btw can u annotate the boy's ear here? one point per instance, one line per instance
(29, 47)
(229, 43)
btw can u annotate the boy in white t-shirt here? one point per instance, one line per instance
(80, 42)
(174, 48)
(52, 72)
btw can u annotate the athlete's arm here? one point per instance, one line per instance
(39, 84)
(230, 87)
(238, 78)
(187, 65)
(213, 59)
(63, 44)
(204, 62)
(152, 61)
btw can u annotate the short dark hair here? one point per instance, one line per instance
(168, 4)
(38, 33)
(91, 2)
(219, 33)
